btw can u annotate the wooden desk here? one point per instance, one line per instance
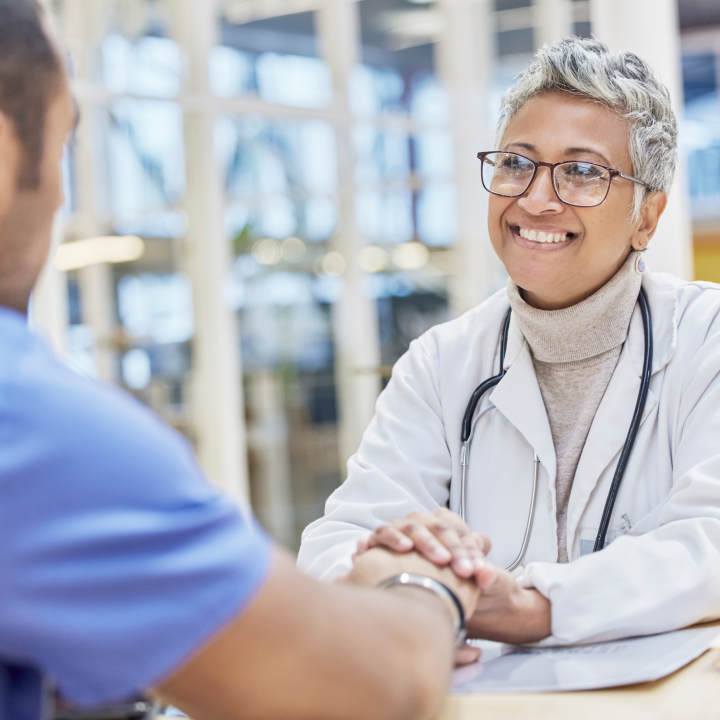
(691, 693)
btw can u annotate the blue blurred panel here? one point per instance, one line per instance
(283, 323)
(385, 216)
(276, 58)
(699, 75)
(150, 66)
(293, 80)
(231, 72)
(280, 177)
(700, 140)
(381, 90)
(380, 154)
(156, 307)
(437, 213)
(397, 74)
(434, 153)
(146, 166)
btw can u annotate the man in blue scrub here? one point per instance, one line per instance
(121, 570)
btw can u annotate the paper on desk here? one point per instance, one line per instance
(513, 668)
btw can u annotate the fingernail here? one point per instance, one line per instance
(405, 542)
(479, 563)
(464, 565)
(441, 554)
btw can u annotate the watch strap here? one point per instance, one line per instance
(451, 600)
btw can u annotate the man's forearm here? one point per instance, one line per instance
(306, 650)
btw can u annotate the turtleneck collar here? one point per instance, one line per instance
(594, 326)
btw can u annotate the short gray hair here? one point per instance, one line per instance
(621, 82)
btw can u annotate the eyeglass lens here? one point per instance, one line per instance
(576, 183)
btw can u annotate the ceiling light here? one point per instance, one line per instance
(292, 249)
(333, 264)
(410, 256)
(93, 251)
(373, 258)
(267, 251)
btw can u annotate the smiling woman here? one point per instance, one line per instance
(603, 380)
(588, 205)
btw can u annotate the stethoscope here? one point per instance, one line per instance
(466, 434)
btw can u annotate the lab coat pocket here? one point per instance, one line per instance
(589, 535)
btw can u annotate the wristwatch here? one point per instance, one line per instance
(450, 599)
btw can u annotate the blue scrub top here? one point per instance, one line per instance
(117, 559)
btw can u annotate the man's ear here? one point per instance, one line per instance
(10, 156)
(652, 208)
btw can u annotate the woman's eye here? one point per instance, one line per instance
(583, 171)
(514, 164)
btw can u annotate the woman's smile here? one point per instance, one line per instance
(543, 239)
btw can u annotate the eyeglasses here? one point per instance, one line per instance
(577, 183)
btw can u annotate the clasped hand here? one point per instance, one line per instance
(504, 611)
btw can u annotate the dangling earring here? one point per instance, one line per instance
(639, 263)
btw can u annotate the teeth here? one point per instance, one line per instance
(543, 237)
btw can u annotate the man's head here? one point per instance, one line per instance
(577, 101)
(36, 114)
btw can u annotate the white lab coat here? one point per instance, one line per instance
(662, 568)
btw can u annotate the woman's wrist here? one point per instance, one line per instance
(517, 615)
(535, 612)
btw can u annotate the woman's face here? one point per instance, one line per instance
(553, 127)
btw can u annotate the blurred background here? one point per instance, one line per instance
(268, 200)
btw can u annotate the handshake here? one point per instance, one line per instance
(441, 546)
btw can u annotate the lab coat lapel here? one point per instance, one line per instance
(609, 429)
(517, 396)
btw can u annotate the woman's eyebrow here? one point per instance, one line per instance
(568, 151)
(525, 146)
(584, 150)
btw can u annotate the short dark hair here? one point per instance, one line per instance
(30, 74)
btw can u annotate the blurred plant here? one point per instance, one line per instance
(243, 241)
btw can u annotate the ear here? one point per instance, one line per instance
(10, 156)
(653, 207)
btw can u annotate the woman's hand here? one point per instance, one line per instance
(441, 537)
(506, 612)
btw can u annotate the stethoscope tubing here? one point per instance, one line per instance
(466, 432)
(634, 424)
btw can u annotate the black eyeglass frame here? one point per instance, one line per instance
(612, 172)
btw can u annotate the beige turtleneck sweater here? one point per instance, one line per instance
(575, 351)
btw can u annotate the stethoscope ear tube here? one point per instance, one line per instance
(466, 430)
(481, 389)
(634, 425)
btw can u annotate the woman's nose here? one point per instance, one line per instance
(540, 197)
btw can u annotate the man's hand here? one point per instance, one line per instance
(506, 612)
(375, 565)
(372, 567)
(441, 537)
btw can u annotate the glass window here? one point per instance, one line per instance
(280, 178)
(700, 131)
(146, 166)
(397, 74)
(276, 58)
(151, 66)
